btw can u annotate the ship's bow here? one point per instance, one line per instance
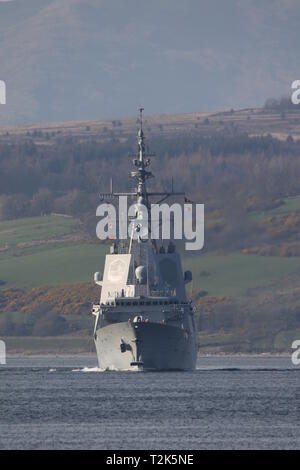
(145, 346)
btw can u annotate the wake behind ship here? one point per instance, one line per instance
(144, 320)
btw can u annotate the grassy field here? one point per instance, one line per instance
(49, 345)
(28, 257)
(228, 275)
(14, 232)
(278, 343)
(233, 274)
(69, 264)
(291, 204)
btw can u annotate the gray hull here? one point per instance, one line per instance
(146, 346)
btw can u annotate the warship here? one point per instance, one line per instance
(144, 320)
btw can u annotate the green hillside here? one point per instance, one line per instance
(54, 251)
(69, 264)
(14, 232)
(45, 250)
(233, 274)
(40, 250)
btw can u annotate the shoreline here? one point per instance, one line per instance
(84, 346)
(91, 354)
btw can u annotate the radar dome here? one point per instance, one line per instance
(141, 274)
(97, 277)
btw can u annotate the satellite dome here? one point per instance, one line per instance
(97, 277)
(141, 274)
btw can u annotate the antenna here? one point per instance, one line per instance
(141, 117)
(141, 174)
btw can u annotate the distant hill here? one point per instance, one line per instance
(85, 59)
